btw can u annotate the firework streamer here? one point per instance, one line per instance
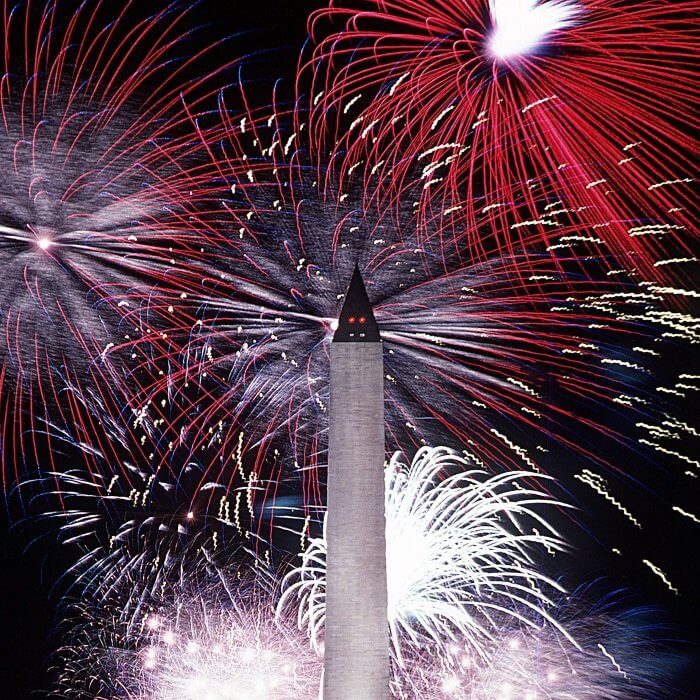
(513, 357)
(460, 557)
(214, 259)
(581, 101)
(98, 168)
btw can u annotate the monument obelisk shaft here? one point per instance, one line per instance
(356, 662)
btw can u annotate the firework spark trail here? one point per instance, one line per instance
(212, 249)
(585, 101)
(459, 557)
(99, 163)
(618, 660)
(466, 343)
(130, 501)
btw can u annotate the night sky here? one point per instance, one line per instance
(28, 603)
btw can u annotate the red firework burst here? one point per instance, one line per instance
(586, 101)
(493, 355)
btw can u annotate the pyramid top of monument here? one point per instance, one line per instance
(356, 323)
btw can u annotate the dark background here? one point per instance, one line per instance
(277, 29)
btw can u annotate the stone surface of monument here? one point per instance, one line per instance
(356, 661)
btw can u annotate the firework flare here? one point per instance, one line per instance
(585, 101)
(202, 632)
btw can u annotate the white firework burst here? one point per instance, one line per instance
(206, 634)
(224, 652)
(202, 632)
(461, 553)
(619, 658)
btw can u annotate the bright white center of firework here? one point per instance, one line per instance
(334, 325)
(520, 26)
(408, 555)
(233, 688)
(218, 654)
(44, 243)
(450, 684)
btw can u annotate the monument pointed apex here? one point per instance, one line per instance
(357, 323)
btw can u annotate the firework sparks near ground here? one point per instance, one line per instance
(460, 556)
(585, 101)
(622, 655)
(197, 629)
(202, 632)
(217, 642)
(98, 165)
(221, 639)
(225, 649)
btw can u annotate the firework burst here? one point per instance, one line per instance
(174, 274)
(460, 549)
(98, 165)
(622, 655)
(193, 626)
(219, 651)
(158, 616)
(206, 631)
(128, 501)
(203, 631)
(587, 102)
(497, 356)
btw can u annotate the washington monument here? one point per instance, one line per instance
(356, 664)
